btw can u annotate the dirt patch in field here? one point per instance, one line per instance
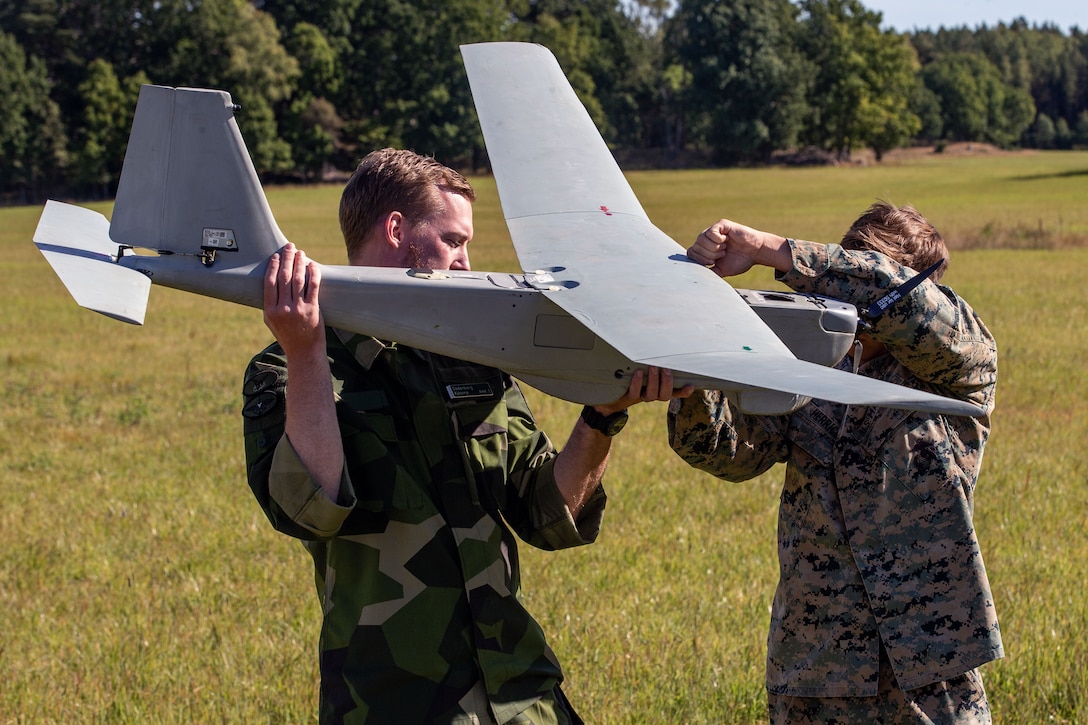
(962, 148)
(866, 157)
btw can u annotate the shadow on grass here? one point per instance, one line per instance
(1059, 175)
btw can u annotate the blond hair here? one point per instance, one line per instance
(901, 233)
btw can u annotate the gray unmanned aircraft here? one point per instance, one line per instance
(604, 293)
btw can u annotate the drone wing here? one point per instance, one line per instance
(574, 219)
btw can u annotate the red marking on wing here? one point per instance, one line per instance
(605, 210)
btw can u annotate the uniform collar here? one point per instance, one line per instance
(365, 348)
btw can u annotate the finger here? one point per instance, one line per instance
(716, 233)
(313, 271)
(664, 388)
(717, 243)
(298, 275)
(698, 252)
(708, 248)
(653, 379)
(634, 390)
(684, 392)
(271, 294)
(286, 272)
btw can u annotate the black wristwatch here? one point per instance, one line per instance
(610, 425)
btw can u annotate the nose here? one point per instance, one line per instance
(461, 261)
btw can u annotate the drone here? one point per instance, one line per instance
(603, 292)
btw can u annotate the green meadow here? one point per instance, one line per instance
(140, 582)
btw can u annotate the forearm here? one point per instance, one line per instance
(293, 314)
(580, 466)
(311, 425)
(775, 252)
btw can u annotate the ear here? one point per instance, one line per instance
(393, 226)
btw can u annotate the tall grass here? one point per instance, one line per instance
(139, 581)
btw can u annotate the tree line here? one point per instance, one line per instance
(321, 82)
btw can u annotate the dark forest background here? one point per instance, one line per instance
(722, 82)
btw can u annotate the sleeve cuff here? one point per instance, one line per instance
(810, 260)
(558, 527)
(301, 499)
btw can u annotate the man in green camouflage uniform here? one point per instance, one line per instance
(883, 611)
(403, 473)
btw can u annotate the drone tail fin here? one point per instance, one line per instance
(188, 194)
(76, 243)
(188, 185)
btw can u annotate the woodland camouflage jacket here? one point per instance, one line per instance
(875, 535)
(417, 574)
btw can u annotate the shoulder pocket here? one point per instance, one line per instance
(264, 410)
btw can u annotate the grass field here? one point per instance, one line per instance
(139, 581)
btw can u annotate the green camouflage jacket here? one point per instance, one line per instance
(416, 568)
(875, 535)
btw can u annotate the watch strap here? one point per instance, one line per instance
(609, 425)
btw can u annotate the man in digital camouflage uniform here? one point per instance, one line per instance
(883, 611)
(403, 472)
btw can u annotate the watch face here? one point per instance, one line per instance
(616, 425)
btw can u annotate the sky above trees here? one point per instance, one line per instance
(908, 15)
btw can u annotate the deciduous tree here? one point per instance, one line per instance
(745, 99)
(108, 106)
(32, 139)
(863, 79)
(976, 105)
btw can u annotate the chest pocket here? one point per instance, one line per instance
(474, 396)
(386, 467)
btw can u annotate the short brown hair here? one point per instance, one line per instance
(901, 233)
(391, 180)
